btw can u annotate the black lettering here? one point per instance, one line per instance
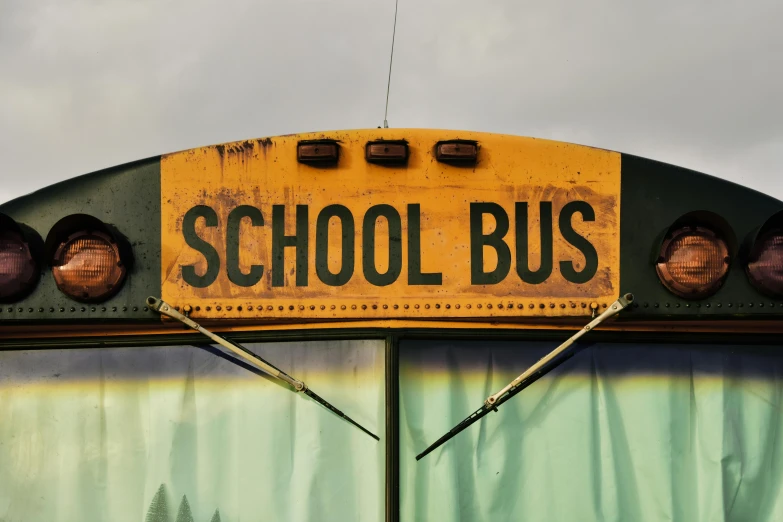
(523, 252)
(570, 235)
(395, 245)
(280, 241)
(235, 275)
(208, 251)
(493, 239)
(415, 275)
(322, 245)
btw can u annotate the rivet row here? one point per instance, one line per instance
(500, 306)
(510, 306)
(708, 305)
(489, 306)
(72, 309)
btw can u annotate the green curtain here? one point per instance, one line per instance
(180, 434)
(620, 432)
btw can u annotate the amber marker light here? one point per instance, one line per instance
(765, 264)
(386, 152)
(693, 262)
(458, 152)
(19, 270)
(318, 153)
(87, 266)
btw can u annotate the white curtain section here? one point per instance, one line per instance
(178, 434)
(620, 432)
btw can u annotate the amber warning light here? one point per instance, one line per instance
(323, 152)
(460, 152)
(386, 152)
(765, 267)
(18, 268)
(87, 266)
(693, 262)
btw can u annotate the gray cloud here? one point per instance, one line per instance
(89, 84)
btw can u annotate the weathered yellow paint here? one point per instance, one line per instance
(262, 173)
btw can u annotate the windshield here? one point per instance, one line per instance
(178, 433)
(642, 432)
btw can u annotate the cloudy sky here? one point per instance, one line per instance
(87, 84)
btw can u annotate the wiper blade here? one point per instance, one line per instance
(317, 398)
(167, 310)
(546, 364)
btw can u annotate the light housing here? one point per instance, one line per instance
(693, 261)
(765, 260)
(457, 152)
(318, 152)
(19, 267)
(387, 152)
(89, 259)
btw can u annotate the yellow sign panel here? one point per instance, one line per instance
(250, 233)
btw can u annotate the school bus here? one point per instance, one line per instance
(391, 324)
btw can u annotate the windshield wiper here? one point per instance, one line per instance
(531, 375)
(167, 310)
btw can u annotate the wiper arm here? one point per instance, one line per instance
(239, 350)
(531, 375)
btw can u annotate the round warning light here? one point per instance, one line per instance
(693, 262)
(18, 268)
(87, 266)
(765, 267)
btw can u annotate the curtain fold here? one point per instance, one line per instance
(170, 434)
(640, 432)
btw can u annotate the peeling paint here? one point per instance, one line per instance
(510, 170)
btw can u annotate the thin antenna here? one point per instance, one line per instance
(391, 59)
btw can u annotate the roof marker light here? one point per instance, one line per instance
(459, 152)
(318, 152)
(387, 152)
